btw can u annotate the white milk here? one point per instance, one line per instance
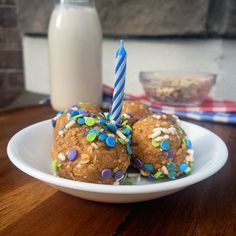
(75, 41)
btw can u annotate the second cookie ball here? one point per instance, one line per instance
(161, 147)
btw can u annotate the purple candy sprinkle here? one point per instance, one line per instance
(106, 173)
(93, 115)
(170, 154)
(84, 113)
(138, 162)
(69, 111)
(119, 174)
(150, 178)
(72, 154)
(53, 122)
(132, 161)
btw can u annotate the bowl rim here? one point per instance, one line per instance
(113, 189)
(160, 73)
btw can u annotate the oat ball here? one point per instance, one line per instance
(89, 107)
(90, 148)
(134, 111)
(161, 147)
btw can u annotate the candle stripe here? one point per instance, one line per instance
(120, 76)
(119, 62)
(119, 110)
(118, 86)
(119, 92)
(119, 98)
(118, 107)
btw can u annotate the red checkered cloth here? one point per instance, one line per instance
(208, 105)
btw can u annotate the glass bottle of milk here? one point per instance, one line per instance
(75, 48)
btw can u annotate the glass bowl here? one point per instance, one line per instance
(177, 88)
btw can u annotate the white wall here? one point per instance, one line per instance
(216, 56)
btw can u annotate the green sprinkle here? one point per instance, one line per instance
(158, 175)
(115, 169)
(54, 165)
(89, 121)
(128, 127)
(155, 143)
(77, 116)
(189, 170)
(124, 123)
(121, 141)
(91, 137)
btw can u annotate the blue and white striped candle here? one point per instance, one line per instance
(119, 86)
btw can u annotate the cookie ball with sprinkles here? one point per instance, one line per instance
(89, 147)
(161, 147)
(133, 111)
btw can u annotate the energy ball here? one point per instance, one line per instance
(161, 147)
(134, 111)
(90, 148)
(89, 107)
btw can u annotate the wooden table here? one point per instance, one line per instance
(30, 207)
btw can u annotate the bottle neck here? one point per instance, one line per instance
(85, 3)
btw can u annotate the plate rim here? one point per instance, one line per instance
(116, 189)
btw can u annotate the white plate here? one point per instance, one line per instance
(29, 150)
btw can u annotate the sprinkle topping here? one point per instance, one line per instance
(61, 156)
(183, 167)
(81, 121)
(106, 173)
(72, 154)
(110, 142)
(102, 137)
(165, 145)
(54, 165)
(89, 121)
(119, 175)
(91, 137)
(148, 167)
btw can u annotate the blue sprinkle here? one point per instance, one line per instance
(110, 142)
(172, 175)
(102, 137)
(80, 121)
(189, 144)
(165, 145)
(148, 167)
(127, 131)
(129, 149)
(183, 166)
(112, 127)
(95, 130)
(171, 166)
(74, 113)
(80, 111)
(103, 124)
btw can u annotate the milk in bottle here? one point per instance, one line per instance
(75, 39)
